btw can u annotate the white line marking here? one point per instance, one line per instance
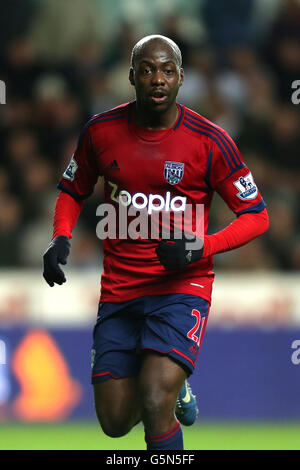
(197, 285)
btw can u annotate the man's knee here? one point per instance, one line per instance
(156, 401)
(112, 425)
(115, 406)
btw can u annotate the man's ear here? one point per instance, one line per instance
(181, 79)
(131, 76)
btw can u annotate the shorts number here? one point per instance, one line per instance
(191, 334)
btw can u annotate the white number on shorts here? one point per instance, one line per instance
(191, 334)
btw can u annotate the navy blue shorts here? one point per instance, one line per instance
(171, 324)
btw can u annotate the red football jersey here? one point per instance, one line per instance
(158, 172)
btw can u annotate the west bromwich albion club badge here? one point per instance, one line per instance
(173, 172)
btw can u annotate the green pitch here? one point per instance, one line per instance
(88, 436)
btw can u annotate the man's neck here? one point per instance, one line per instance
(156, 121)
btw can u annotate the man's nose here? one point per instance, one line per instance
(158, 78)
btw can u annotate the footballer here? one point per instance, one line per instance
(155, 292)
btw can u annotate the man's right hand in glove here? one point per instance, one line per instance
(57, 252)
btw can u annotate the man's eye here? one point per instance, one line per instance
(146, 71)
(168, 71)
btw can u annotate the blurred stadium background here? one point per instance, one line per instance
(63, 61)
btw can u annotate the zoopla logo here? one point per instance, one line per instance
(2, 92)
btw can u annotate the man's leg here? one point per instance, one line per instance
(122, 403)
(117, 405)
(159, 383)
(115, 365)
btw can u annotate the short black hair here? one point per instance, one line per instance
(155, 38)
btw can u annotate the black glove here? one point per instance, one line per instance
(173, 253)
(57, 252)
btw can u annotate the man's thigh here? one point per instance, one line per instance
(159, 383)
(151, 395)
(160, 375)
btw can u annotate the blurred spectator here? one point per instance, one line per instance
(21, 147)
(295, 254)
(58, 113)
(37, 184)
(232, 83)
(251, 257)
(4, 181)
(16, 113)
(15, 20)
(198, 74)
(20, 69)
(279, 238)
(283, 50)
(147, 20)
(100, 94)
(228, 23)
(59, 26)
(277, 142)
(32, 243)
(86, 250)
(10, 230)
(118, 71)
(172, 27)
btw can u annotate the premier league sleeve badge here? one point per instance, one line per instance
(69, 173)
(246, 186)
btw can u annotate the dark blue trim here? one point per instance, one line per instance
(107, 119)
(110, 112)
(69, 191)
(196, 129)
(234, 171)
(208, 170)
(211, 126)
(180, 118)
(106, 115)
(91, 144)
(221, 137)
(254, 209)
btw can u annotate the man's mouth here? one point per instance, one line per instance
(158, 96)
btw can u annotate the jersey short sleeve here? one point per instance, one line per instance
(82, 173)
(232, 179)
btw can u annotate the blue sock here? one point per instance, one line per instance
(170, 440)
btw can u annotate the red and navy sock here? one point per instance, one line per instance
(169, 440)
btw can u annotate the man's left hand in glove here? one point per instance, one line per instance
(176, 254)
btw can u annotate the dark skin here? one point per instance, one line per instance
(150, 397)
(156, 71)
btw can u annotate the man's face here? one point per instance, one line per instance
(156, 77)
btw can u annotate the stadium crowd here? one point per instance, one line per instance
(63, 61)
